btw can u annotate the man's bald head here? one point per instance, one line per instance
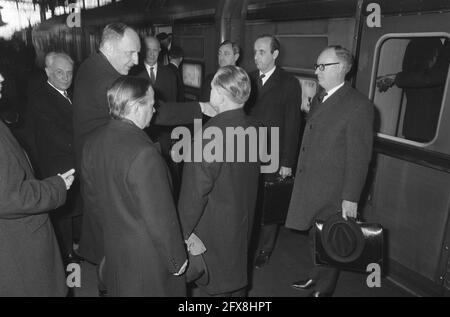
(153, 47)
(121, 45)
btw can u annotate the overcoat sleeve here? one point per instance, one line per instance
(177, 113)
(149, 185)
(292, 122)
(22, 196)
(198, 181)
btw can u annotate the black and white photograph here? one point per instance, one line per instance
(225, 155)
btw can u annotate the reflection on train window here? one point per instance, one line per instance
(410, 82)
(309, 90)
(192, 75)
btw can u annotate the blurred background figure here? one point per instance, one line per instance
(424, 70)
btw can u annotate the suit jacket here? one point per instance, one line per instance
(52, 117)
(165, 85)
(127, 189)
(180, 85)
(217, 203)
(277, 104)
(334, 157)
(30, 261)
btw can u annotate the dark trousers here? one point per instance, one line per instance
(325, 277)
(267, 237)
(66, 221)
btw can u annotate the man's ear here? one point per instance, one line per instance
(48, 71)
(236, 57)
(275, 54)
(108, 47)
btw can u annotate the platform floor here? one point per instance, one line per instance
(290, 261)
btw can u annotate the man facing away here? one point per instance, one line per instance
(218, 196)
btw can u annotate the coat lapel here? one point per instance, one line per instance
(270, 83)
(318, 108)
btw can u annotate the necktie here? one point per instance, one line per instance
(152, 75)
(321, 95)
(66, 95)
(260, 80)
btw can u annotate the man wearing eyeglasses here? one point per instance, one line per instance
(334, 158)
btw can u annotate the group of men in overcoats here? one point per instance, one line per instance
(142, 237)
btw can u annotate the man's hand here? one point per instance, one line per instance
(68, 178)
(195, 246)
(349, 209)
(183, 268)
(208, 109)
(285, 172)
(385, 82)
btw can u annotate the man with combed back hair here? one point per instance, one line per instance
(52, 114)
(217, 199)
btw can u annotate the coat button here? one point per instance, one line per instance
(310, 126)
(303, 149)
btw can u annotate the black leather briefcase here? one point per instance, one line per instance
(357, 257)
(276, 197)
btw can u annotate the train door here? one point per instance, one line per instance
(403, 67)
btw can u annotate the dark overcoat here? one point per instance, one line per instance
(90, 103)
(30, 261)
(52, 117)
(126, 188)
(277, 104)
(334, 157)
(217, 203)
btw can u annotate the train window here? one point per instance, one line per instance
(192, 74)
(409, 85)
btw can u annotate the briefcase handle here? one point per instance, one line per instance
(279, 179)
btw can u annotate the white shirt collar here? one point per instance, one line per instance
(267, 74)
(62, 92)
(332, 91)
(155, 68)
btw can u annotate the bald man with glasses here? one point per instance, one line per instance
(334, 158)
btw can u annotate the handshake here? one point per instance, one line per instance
(385, 82)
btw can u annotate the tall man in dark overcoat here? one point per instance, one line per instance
(218, 195)
(334, 158)
(30, 260)
(118, 53)
(275, 102)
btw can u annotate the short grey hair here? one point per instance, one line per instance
(234, 81)
(113, 32)
(343, 55)
(50, 57)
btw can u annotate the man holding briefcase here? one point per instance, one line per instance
(334, 158)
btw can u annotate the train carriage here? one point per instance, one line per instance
(408, 188)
